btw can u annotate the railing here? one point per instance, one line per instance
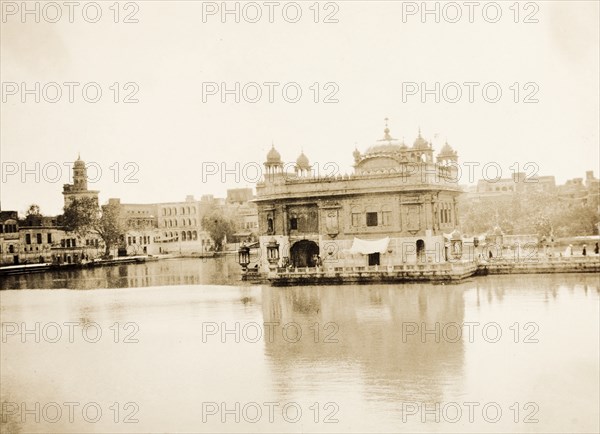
(375, 269)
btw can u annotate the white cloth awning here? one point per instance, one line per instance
(367, 247)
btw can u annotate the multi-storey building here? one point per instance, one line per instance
(180, 226)
(244, 213)
(43, 240)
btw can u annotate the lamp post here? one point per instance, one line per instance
(244, 257)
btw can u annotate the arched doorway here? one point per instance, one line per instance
(304, 253)
(420, 251)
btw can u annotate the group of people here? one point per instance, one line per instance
(569, 250)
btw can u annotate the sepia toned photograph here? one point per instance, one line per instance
(299, 216)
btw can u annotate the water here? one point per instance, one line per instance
(361, 362)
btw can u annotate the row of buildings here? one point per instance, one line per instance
(574, 192)
(152, 229)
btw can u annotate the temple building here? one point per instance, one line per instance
(398, 207)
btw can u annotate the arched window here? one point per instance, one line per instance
(195, 235)
(182, 235)
(188, 210)
(182, 210)
(189, 222)
(174, 211)
(189, 235)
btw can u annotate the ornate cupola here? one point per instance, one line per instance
(273, 164)
(447, 155)
(420, 143)
(302, 165)
(422, 148)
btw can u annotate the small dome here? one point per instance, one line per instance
(79, 162)
(273, 156)
(420, 143)
(447, 150)
(302, 162)
(456, 235)
(356, 154)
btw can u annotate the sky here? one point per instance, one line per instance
(181, 139)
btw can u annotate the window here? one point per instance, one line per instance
(371, 219)
(129, 241)
(270, 225)
(39, 238)
(49, 238)
(386, 218)
(355, 219)
(27, 238)
(294, 223)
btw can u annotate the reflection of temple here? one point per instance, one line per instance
(370, 336)
(394, 209)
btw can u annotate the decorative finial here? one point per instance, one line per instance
(78, 155)
(387, 130)
(419, 131)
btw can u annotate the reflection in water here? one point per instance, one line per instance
(354, 350)
(166, 272)
(371, 325)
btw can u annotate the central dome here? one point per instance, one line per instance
(384, 149)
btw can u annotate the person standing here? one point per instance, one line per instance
(596, 249)
(569, 250)
(584, 251)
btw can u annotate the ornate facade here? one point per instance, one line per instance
(396, 208)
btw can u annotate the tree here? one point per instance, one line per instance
(81, 216)
(84, 217)
(218, 226)
(33, 216)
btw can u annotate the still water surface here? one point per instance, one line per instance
(196, 350)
